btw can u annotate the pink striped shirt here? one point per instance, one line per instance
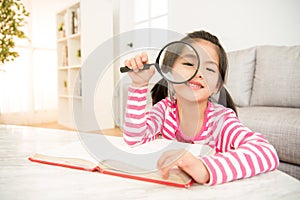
(240, 152)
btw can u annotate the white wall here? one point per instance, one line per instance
(239, 23)
(96, 29)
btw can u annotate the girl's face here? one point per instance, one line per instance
(205, 82)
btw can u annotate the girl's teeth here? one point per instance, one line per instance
(194, 85)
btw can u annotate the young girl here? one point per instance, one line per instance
(185, 112)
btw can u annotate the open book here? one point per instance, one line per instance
(76, 156)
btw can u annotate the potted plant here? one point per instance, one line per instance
(65, 87)
(79, 53)
(61, 30)
(13, 16)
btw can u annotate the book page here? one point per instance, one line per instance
(138, 160)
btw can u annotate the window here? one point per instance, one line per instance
(29, 83)
(151, 14)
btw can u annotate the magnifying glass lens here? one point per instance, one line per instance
(178, 62)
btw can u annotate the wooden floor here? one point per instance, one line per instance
(55, 125)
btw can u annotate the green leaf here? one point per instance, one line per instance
(13, 16)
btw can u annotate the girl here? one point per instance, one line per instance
(185, 112)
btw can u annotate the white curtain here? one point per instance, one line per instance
(28, 85)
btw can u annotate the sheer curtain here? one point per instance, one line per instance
(28, 87)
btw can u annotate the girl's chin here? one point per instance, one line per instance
(194, 97)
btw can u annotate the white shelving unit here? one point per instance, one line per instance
(69, 63)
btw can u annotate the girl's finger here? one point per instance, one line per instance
(144, 56)
(138, 60)
(127, 63)
(133, 65)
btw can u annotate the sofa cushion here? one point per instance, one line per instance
(279, 125)
(240, 75)
(277, 76)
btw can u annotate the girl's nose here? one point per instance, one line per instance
(199, 74)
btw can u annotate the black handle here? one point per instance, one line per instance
(126, 69)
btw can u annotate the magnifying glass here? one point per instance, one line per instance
(177, 62)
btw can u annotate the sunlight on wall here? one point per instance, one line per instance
(29, 84)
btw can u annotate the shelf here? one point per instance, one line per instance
(68, 63)
(63, 96)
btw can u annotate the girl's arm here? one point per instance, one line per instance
(241, 153)
(141, 126)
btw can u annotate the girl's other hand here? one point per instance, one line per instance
(185, 161)
(140, 78)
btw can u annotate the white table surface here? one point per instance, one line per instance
(22, 179)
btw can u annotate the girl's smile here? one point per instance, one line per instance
(195, 85)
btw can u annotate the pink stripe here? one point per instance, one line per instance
(134, 116)
(231, 166)
(274, 156)
(138, 90)
(152, 129)
(248, 138)
(159, 107)
(135, 125)
(224, 175)
(172, 134)
(155, 116)
(135, 107)
(215, 114)
(265, 156)
(251, 165)
(173, 116)
(130, 142)
(213, 177)
(242, 167)
(135, 134)
(169, 123)
(229, 133)
(235, 137)
(134, 98)
(258, 158)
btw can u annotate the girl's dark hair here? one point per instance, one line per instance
(160, 89)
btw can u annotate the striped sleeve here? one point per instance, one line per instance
(141, 126)
(242, 153)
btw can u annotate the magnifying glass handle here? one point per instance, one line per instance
(126, 69)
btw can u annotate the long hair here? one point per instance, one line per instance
(160, 89)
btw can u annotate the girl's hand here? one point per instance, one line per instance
(140, 78)
(185, 161)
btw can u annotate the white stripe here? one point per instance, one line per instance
(167, 126)
(245, 163)
(227, 169)
(136, 103)
(219, 173)
(225, 136)
(134, 130)
(253, 159)
(135, 112)
(269, 150)
(236, 165)
(264, 162)
(135, 121)
(139, 95)
(239, 129)
(169, 118)
(240, 137)
(154, 126)
(166, 134)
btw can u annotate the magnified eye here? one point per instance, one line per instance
(188, 64)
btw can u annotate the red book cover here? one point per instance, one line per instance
(85, 162)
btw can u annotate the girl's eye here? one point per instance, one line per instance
(188, 64)
(210, 69)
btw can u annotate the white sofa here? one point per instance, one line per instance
(264, 82)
